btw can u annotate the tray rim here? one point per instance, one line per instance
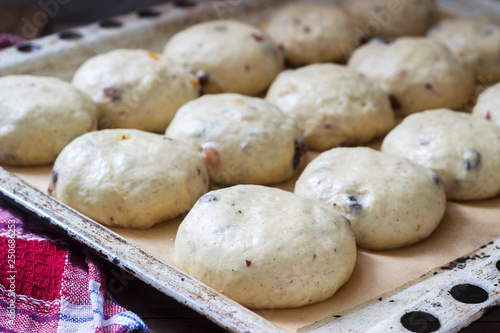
(132, 258)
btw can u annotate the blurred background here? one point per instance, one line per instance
(28, 19)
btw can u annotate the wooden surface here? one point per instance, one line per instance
(23, 21)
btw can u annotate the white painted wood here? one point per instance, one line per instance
(470, 7)
(60, 58)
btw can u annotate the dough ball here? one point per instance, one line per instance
(39, 116)
(418, 73)
(136, 88)
(313, 32)
(388, 18)
(233, 56)
(488, 104)
(332, 105)
(128, 178)
(266, 248)
(476, 41)
(390, 200)
(244, 140)
(464, 150)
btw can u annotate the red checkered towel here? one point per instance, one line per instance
(7, 40)
(45, 287)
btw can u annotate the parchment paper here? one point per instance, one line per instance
(465, 227)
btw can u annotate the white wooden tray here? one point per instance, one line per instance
(413, 289)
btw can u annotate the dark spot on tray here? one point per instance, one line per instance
(419, 321)
(248, 262)
(469, 294)
(110, 24)
(28, 48)
(70, 35)
(148, 12)
(461, 263)
(184, 3)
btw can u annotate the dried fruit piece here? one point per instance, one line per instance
(300, 151)
(122, 136)
(207, 198)
(113, 93)
(354, 206)
(472, 160)
(211, 156)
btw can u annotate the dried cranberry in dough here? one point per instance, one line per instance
(243, 140)
(265, 247)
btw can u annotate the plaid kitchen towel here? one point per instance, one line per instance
(7, 40)
(46, 287)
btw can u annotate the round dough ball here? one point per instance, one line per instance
(313, 32)
(476, 41)
(234, 56)
(244, 140)
(418, 73)
(464, 150)
(488, 104)
(39, 116)
(390, 200)
(136, 88)
(265, 247)
(393, 18)
(332, 105)
(128, 178)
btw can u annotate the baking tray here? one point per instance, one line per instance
(385, 286)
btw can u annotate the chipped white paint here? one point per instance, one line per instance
(59, 57)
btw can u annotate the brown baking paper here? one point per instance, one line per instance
(465, 227)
